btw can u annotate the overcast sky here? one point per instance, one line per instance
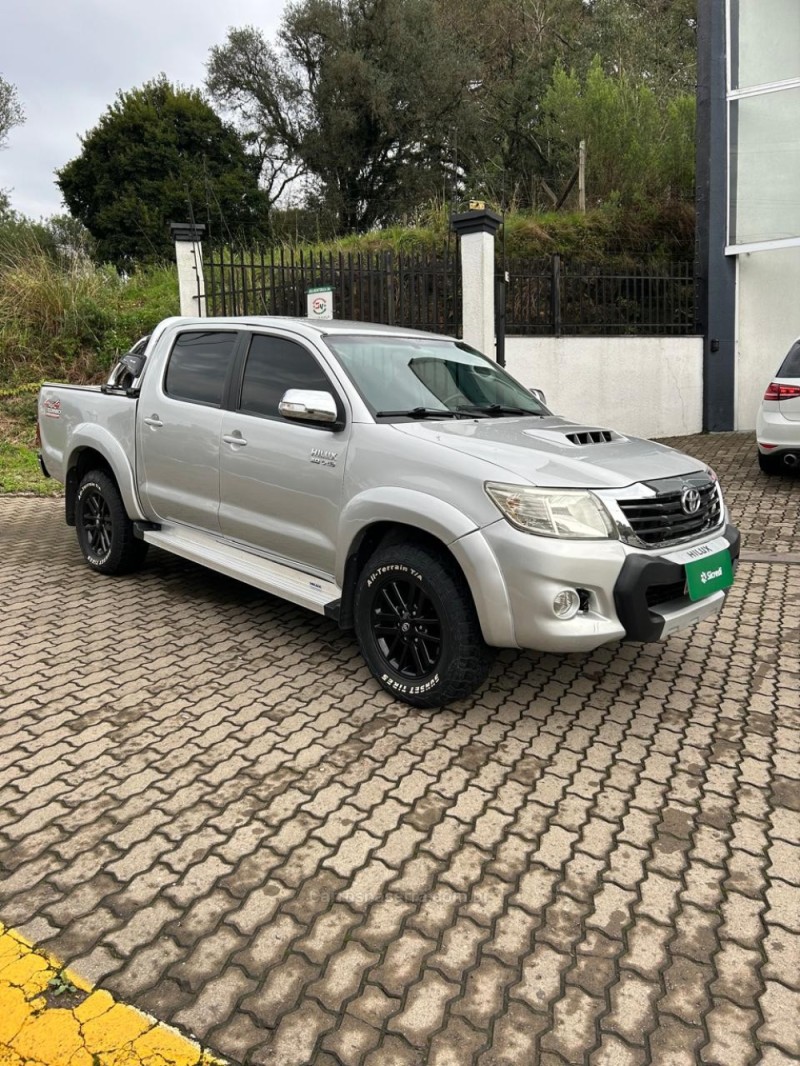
(68, 58)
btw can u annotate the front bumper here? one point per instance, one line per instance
(644, 580)
(628, 593)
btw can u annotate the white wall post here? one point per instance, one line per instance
(189, 257)
(476, 229)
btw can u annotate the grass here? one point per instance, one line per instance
(19, 465)
(19, 472)
(62, 319)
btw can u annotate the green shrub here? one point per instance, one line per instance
(64, 318)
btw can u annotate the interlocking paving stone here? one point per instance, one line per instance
(207, 806)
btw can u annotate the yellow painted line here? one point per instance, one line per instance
(96, 1031)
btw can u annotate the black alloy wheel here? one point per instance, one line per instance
(407, 628)
(97, 523)
(417, 627)
(105, 532)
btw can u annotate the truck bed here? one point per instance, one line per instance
(66, 409)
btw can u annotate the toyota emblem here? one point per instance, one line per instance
(690, 501)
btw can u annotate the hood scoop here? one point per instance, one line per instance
(578, 436)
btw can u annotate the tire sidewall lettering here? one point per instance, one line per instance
(409, 690)
(394, 568)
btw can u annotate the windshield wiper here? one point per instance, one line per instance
(499, 409)
(422, 412)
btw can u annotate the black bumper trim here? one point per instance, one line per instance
(641, 572)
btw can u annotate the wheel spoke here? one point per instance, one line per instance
(431, 643)
(402, 662)
(393, 609)
(418, 660)
(402, 601)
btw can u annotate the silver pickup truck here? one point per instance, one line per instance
(399, 483)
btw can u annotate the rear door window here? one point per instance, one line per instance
(790, 367)
(199, 365)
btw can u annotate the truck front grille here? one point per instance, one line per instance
(663, 518)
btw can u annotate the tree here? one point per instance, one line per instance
(359, 97)
(516, 44)
(11, 113)
(520, 43)
(159, 154)
(651, 42)
(637, 142)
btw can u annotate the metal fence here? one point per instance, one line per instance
(556, 297)
(553, 296)
(413, 290)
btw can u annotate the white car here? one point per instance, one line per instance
(778, 422)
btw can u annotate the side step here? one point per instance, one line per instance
(289, 584)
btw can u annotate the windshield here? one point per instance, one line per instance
(403, 377)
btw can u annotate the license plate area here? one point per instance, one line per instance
(710, 574)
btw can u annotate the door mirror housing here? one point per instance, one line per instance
(539, 394)
(307, 405)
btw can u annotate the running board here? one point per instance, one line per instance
(289, 584)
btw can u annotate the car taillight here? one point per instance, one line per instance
(776, 391)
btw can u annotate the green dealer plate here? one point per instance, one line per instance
(704, 576)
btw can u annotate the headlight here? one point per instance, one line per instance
(571, 514)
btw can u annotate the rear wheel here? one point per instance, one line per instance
(417, 627)
(105, 533)
(770, 464)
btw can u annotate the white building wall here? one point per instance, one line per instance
(644, 386)
(768, 320)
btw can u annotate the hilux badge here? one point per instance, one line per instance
(690, 501)
(322, 457)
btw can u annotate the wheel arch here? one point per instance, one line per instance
(382, 534)
(470, 555)
(411, 515)
(107, 455)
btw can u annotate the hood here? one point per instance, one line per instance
(553, 452)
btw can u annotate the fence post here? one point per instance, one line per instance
(555, 293)
(476, 229)
(189, 257)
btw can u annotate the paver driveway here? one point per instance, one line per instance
(210, 808)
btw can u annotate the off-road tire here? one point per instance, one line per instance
(105, 533)
(440, 608)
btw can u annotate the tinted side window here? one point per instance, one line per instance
(273, 366)
(790, 367)
(198, 366)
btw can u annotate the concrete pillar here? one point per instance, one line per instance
(476, 229)
(189, 257)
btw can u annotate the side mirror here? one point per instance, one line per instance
(540, 396)
(305, 405)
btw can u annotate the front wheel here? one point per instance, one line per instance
(417, 628)
(105, 533)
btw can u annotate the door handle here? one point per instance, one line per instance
(234, 438)
(153, 420)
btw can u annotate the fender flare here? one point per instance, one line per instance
(87, 435)
(457, 531)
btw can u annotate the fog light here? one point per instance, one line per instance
(566, 604)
